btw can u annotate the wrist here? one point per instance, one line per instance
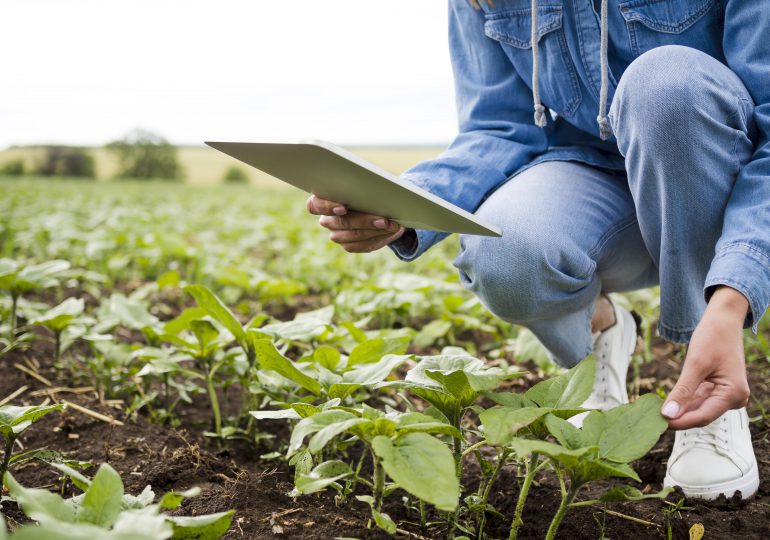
(729, 302)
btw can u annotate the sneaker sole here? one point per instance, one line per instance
(747, 485)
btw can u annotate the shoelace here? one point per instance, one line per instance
(710, 436)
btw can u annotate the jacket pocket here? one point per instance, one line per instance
(652, 23)
(559, 87)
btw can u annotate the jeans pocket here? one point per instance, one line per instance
(559, 85)
(653, 23)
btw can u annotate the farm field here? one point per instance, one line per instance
(204, 166)
(210, 337)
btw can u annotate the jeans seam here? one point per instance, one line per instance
(611, 233)
(742, 247)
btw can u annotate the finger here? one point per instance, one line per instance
(373, 245)
(358, 220)
(703, 392)
(709, 410)
(678, 400)
(358, 235)
(323, 207)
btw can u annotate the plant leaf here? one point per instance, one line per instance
(210, 302)
(206, 527)
(568, 390)
(269, 358)
(40, 504)
(633, 429)
(322, 476)
(502, 423)
(102, 502)
(421, 465)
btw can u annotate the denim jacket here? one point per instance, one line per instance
(492, 62)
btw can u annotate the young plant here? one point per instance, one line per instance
(401, 445)
(104, 511)
(19, 280)
(58, 319)
(604, 447)
(13, 422)
(523, 415)
(452, 382)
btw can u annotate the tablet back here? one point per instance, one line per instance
(334, 174)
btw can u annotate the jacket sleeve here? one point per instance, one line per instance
(742, 259)
(497, 135)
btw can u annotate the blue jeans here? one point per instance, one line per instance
(572, 231)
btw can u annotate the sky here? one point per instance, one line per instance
(355, 72)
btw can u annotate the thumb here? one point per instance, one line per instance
(683, 392)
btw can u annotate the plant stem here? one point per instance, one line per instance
(14, 303)
(214, 402)
(474, 447)
(566, 499)
(6, 459)
(501, 458)
(531, 469)
(57, 352)
(379, 482)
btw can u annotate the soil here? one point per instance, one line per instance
(234, 476)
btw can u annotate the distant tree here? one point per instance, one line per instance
(15, 167)
(236, 175)
(142, 154)
(66, 161)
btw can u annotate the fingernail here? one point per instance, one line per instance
(670, 409)
(380, 223)
(340, 210)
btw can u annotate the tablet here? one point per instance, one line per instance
(337, 175)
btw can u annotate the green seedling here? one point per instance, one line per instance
(604, 447)
(452, 382)
(14, 421)
(401, 445)
(19, 280)
(104, 511)
(58, 319)
(524, 415)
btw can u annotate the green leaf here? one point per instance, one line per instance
(131, 313)
(269, 358)
(282, 414)
(568, 390)
(568, 435)
(432, 332)
(593, 469)
(103, 499)
(356, 333)
(314, 423)
(182, 321)
(205, 332)
(59, 317)
(373, 373)
(206, 527)
(322, 476)
(421, 465)
(210, 302)
(565, 456)
(326, 434)
(623, 492)
(79, 479)
(173, 499)
(501, 423)
(632, 429)
(374, 349)
(384, 521)
(14, 420)
(40, 504)
(326, 356)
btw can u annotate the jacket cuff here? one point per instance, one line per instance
(746, 269)
(415, 242)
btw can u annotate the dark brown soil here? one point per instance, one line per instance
(233, 476)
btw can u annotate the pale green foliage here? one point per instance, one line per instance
(104, 511)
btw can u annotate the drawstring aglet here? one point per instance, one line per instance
(540, 119)
(605, 130)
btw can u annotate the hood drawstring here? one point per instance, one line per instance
(540, 119)
(605, 130)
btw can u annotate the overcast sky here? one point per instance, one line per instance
(348, 71)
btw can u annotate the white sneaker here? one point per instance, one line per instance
(612, 349)
(715, 459)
